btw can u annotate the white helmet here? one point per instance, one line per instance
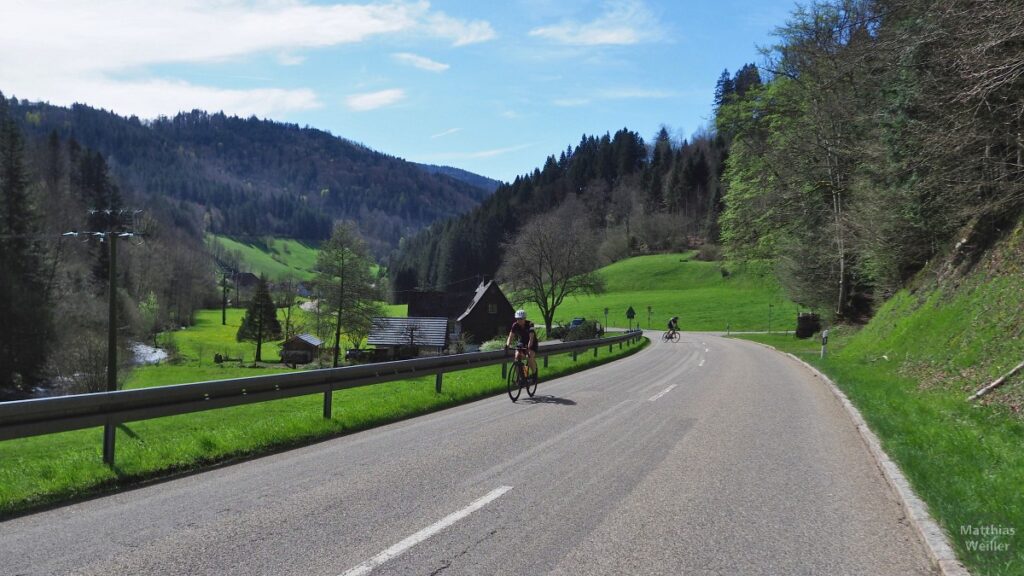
(520, 314)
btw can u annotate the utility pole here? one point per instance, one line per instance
(224, 299)
(115, 228)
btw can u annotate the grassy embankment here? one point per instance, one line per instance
(910, 371)
(677, 285)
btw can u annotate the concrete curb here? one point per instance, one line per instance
(935, 540)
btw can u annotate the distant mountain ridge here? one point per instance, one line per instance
(251, 177)
(488, 184)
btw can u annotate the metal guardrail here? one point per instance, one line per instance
(24, 418)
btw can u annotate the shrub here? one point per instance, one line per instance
(492, 345)
(709, 252)
(585, 331)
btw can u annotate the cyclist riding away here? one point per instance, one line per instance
(673, 326)
(523, 331)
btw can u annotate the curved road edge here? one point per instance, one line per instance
(937, 544)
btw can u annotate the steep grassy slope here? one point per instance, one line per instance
(910, 371)
(279, 258)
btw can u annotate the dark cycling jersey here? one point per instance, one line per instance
(672, 325)
(523, 333)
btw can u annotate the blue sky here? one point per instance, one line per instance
(491, 87)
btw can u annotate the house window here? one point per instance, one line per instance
(492, 308)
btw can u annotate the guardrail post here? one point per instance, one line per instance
(620, 344)
(109, 435)
(328, 399)
(609, 348)
(573, 355)
(437, 382)
(545, 361)
(504, 370)
(595, 351)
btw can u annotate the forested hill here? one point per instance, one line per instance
(477, 180)
(251, 177)
(636, 198)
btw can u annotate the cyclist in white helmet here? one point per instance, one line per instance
(523, 332)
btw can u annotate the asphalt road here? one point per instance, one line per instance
(706, 457)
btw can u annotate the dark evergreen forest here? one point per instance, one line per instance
(251, 178)
(641, 197)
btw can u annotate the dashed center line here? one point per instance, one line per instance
(662, 393)
(401, 547)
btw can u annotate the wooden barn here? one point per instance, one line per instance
(488, 314)
(300, 349)
(482, 314)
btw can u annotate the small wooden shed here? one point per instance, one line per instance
(300, 349)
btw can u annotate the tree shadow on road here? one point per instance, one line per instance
(548, 399)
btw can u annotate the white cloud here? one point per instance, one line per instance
(447, 132)
(152, 98)
(480, 153)
(287, 59)
(614, 94)
(623, 22)
(373, 100)
(460, 32)
(50, 49)
(421, 62)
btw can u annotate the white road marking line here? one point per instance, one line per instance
(401, 547)
(662, 393)
(701, 363)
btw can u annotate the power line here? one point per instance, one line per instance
(118, 224)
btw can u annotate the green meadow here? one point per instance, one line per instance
(743, 297)
(277, 258)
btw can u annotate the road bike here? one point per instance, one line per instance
(671, 336)
(519, 376)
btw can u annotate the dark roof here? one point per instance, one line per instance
(307, 338)
(426, 304)
(246, 278)
(480, 291)
(396, 331)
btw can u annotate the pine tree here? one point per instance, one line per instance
(260, 322)
(23, 301)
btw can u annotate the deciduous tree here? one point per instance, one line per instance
(346, 282)
(553, 257)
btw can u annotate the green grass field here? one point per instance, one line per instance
(676, 285)
(57, 467)
(909, 372)
(195, 347)
(279, 259)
